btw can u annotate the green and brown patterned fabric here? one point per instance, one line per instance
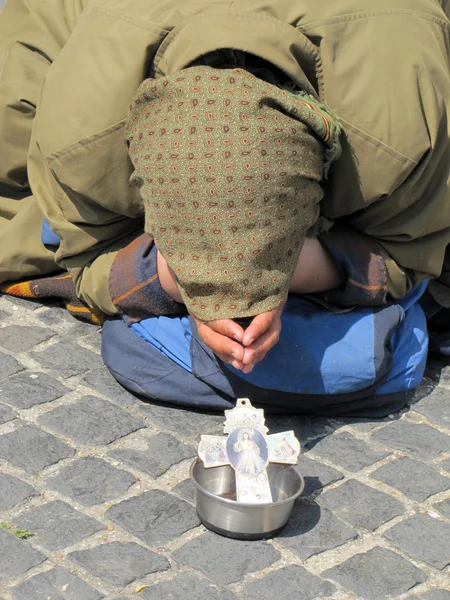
(230, 169)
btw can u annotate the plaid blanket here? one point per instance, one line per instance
(137, 293)
(59, 286)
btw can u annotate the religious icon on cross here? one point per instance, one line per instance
(249, 450)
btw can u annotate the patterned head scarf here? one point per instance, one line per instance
(230, 169)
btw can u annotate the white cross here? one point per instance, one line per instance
(248, 449)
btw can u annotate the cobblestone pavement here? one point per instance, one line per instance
(100, 480)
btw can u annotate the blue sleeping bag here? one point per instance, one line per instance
(365, 362)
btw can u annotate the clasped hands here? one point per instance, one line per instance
(315, 272)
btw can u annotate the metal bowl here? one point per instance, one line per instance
(215, 495)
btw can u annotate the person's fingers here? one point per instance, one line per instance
(258, 350)
(220, 344)
(227, 327)
(237, 364)
(259, 325)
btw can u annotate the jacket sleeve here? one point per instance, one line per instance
(32, 33)
(386, 75)
(78, 162)
(412, 225)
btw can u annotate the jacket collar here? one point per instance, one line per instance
(277, 42)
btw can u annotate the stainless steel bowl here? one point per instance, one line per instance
(215, 493)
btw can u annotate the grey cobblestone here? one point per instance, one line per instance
(424, 538)
(22, 303)
(13, 491)
(9, 365)
(67, 359)
(347, 451)
(361, 505)
(223, 560)
(102, 381)
(119, 563)
(376, 574)
(155, 517)
(444, 508)
(28, 389)
(6, 414)
(90, 481)
(16, 556)
(419, 440)
(295, 582)
(91, 421)
(433, 595)
(435, 407)
(101, 478)
(316, 474)
(312, 530)
(162, 452)
(186, 490)
(20, 338)
(184, 422)
(55, 584)
(415, 479)
(57, 525)
(184, 588)
(32, 449)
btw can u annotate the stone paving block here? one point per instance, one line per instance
(94, 338)
(6, 414)
(101, 380)
(224, 560)
(316, 474)
(445, 464)
(120, 563)
(28, 389)
(90, 481)
(294, 583)
(419, 440)
(32, 449)
(13, 491)
(57, 525)
(435, 407)
(185, 587)
(376, 574)
(83, 329)
(16, 556)
(9, 365)
(305, 427)
(312, 529)
(29, 304)
(154, 517)
(414, 478)
(187, 423)
(162, 452)
(347, 451)
(68, 359)
(444, 508)
(91, 421)
(54, 316)
(365, 425)
(56, 584)
(361, 505)
(432, 595)
(21, 338)
(424, 538)
(186, 490)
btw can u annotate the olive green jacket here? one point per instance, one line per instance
(382, 65)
